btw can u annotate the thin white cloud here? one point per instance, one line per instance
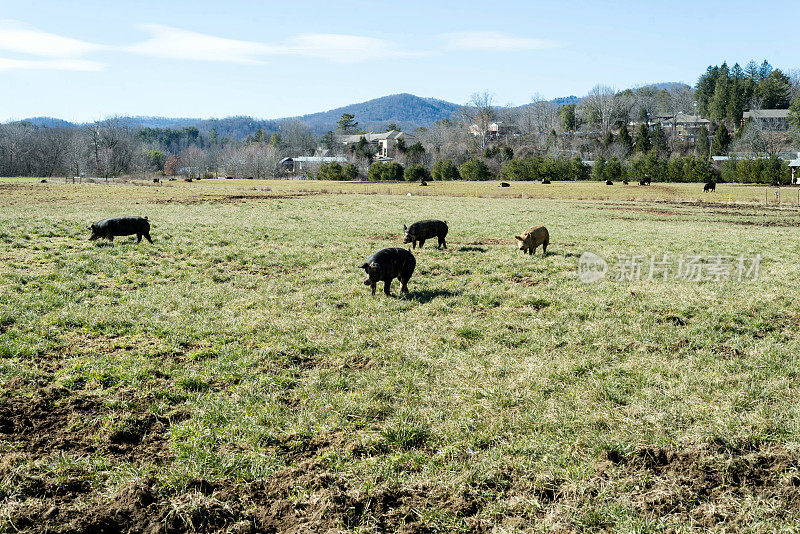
(174, 43)
(65, 53)
(346, 48)
(493, 42)
(15, 37)
(50, 64)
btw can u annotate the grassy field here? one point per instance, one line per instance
(236, 376)
(788, 196)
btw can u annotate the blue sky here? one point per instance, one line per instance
(93, 59)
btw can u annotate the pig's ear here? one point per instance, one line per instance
(404, 228)
(365, 266)
(518, 238)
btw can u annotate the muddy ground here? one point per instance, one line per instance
(708, 486)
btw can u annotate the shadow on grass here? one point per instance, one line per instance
(428, 295)
(472, 249)
(562, 253)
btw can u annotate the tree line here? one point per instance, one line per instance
(622, 131)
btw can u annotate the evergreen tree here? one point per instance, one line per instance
(328, 140)
(275, 140)
(599, 169)
(643, 144)
(416, 173)
(612, 170)
(659, 140)
(624, 139)
(701, 145)
(445, 169)
(794, 114)
(415, 153)
(751, 70)
(475, 170)
(578, 170)
(350, 172)
(364, 149)
(764, 71)
(347, 124)
(722, 138)
(774, 90)
(718, 107)
(569, 121)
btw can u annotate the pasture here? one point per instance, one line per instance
(236, 376)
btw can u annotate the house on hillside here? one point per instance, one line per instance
(795, 166)
(682, 125)
(495, 130)
(385, 143)
(308, 163)
(773, 119)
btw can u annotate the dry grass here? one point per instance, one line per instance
(502, 393)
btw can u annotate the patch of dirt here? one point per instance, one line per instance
(525, 280)
(485, 241)
(304, 498)
(707, 485)
(230, 199)
(55, 420)
(779, 224)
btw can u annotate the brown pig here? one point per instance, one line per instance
(532, 238)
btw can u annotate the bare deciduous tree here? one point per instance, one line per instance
(479, 113)
(602, 107)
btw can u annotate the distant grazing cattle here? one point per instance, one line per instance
(155, 180)
(423, 182)
(609, 182)
(42, 181)
(505, 184)
(624, 182)
(710, 186)
(545, 181)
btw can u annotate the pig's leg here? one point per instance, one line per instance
(421, 243)
(147, 236)
(404, 285)
(138, 238)
(387, 287)
(373, 285)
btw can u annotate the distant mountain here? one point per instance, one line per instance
(671, 87)
(407, 111)
(566, 100)
(47, 122)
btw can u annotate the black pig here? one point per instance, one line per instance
(422, 230)
(116, 226)
(388, 264)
